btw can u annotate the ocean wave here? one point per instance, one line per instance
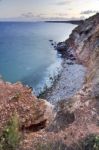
(51, 74)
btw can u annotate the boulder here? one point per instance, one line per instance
(61, 46)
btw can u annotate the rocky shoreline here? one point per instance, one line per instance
(70, 79)
(68, 82)
(75, 124)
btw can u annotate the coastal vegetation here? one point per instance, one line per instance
(10, 137)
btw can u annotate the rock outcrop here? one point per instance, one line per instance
(16, 99)
(84, 39)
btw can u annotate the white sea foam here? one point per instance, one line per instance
(50, 75)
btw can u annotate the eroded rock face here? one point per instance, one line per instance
(83, 41)
(18, 99)
(86, 47)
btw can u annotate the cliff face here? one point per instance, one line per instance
(84, 40)
(76, 118)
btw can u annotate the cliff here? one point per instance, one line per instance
(74, 125)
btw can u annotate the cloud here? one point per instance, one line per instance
(63, 2)
(61, 14)
(31, 16)
(87, 12)
(28, 15)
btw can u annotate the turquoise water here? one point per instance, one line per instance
(26, 54)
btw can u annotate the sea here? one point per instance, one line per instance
(26, 54)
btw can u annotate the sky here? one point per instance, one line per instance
(35, 10)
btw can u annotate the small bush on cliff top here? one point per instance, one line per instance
(89, 143)
(10, 137)
(92, 142)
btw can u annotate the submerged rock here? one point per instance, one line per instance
(61, 46)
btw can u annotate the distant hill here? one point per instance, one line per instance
(70, 21)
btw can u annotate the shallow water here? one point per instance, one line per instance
(26, 54)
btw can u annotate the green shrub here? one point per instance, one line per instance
(96, 144)
(10, 137)
(91, 143)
